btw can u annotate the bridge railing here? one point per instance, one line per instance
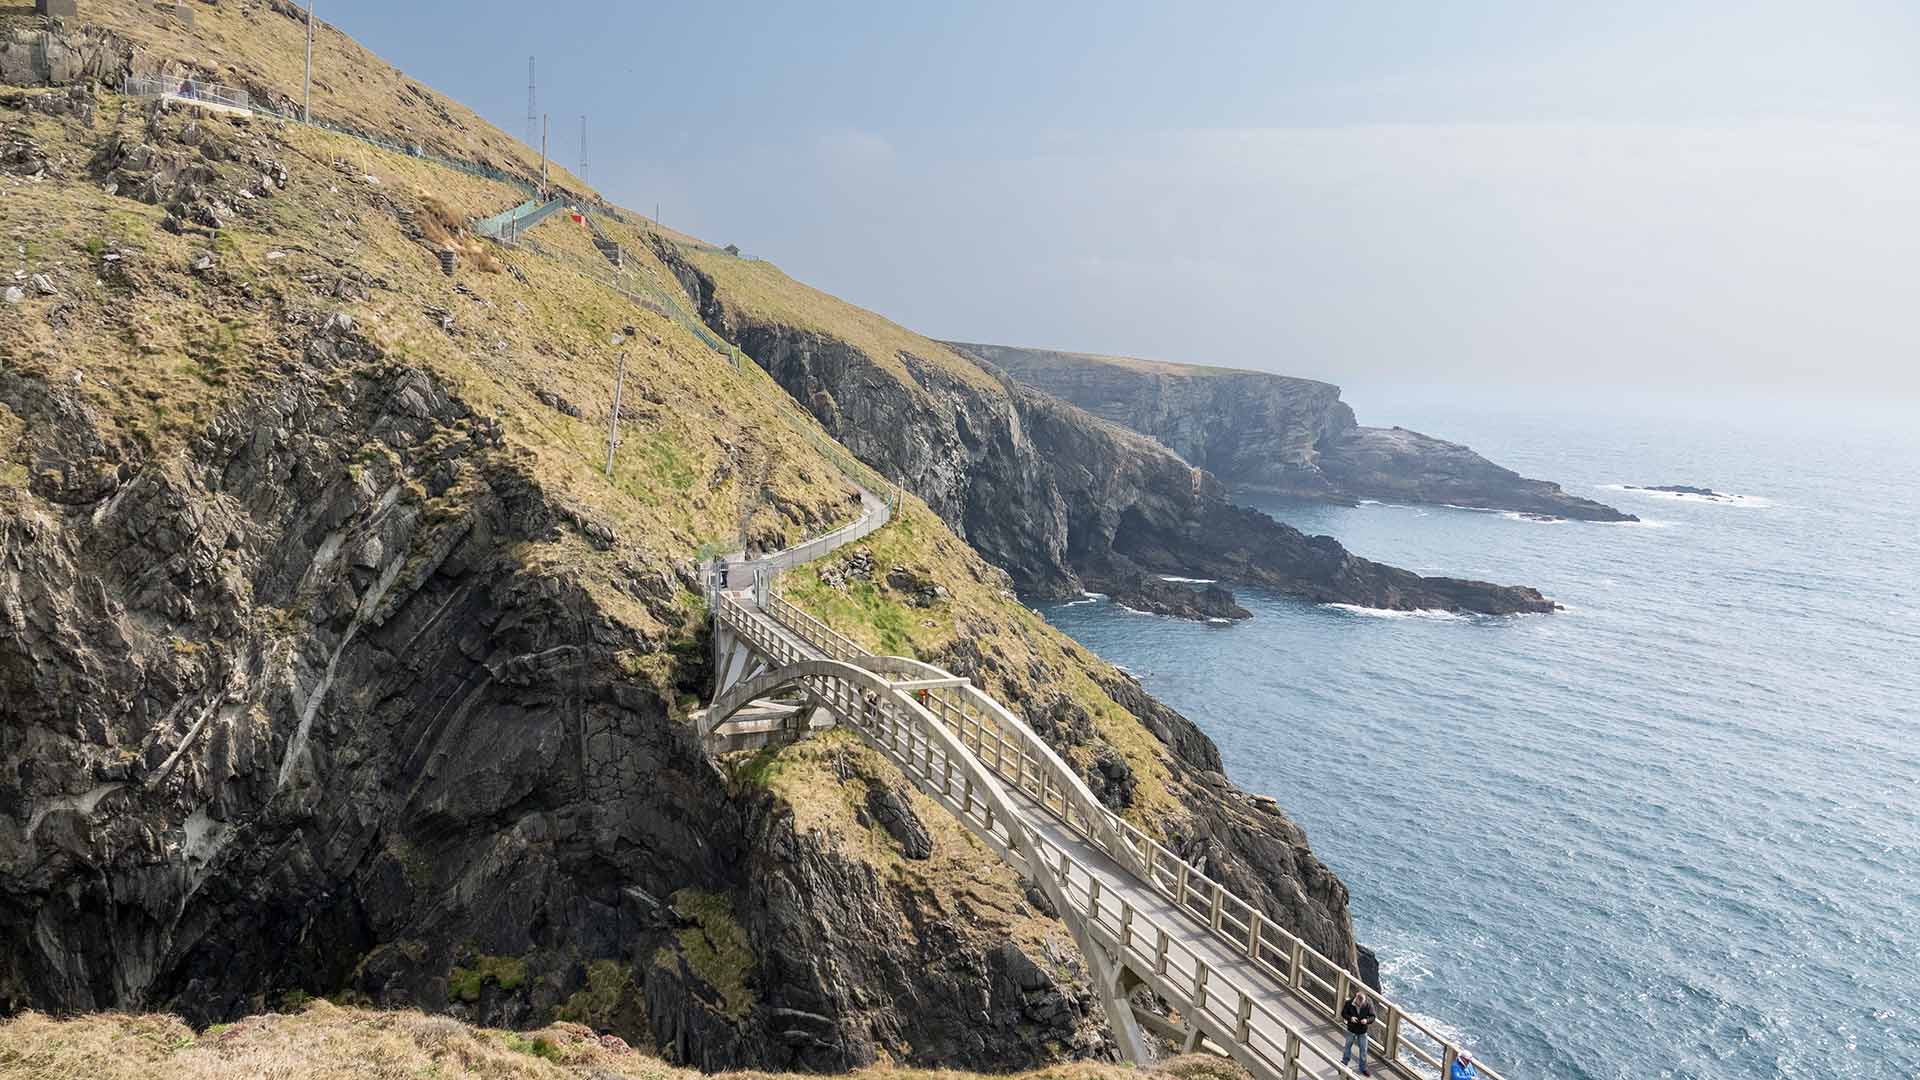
(1017, 755)
(950, 774)
(231, 97)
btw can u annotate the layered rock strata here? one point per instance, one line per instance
(1282, 435)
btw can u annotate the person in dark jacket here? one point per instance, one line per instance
(1359, 1015)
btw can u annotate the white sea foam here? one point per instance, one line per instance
(1384, 613)
(1188, 580)
(1720, 498)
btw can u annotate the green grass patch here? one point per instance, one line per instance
(760, 770)
(506, 972)
(890, 622)
(539, 1046)
(715, 948)
(609, 991)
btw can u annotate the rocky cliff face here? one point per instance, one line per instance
(282, 715)
(1282, 435)
(1060, 499)
(330, 664)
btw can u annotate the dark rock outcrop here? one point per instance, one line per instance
(287, 714)
(1158, 596)
(1049, 492)
(1682, 489)
(1281, 435)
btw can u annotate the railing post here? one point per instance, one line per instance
(1341, 987)
(1126, 925)
(1200, 970)
(1180, 887)
(1294, 971)
(1293, 1056)
(1390, 1045)
(1213, 916)
(1160, 951)
(1244, 1020)
(1253, 934)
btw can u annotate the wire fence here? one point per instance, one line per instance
(511, 225)
(196, 90)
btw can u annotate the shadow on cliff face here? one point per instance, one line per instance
(1048, 492)
(290, 716)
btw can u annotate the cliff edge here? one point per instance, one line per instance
(1059, 498)
(339, 658)
(1282, 435)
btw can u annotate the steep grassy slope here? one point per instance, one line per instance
(260, 46)
(1059, 498)
(322, 1042)
(333, 663)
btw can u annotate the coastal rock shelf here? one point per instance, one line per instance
(1282, 435)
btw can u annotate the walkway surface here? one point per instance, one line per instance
(1233, 980)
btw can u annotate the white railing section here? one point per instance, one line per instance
(953, 773)
(231, 97)
(1015, 754)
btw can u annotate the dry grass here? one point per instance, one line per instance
(760, 291)
(157, 356)
(1023, 651)
(251, 45)
(961, 882)
(1150, 367)
(325, 1042)
(443, 228)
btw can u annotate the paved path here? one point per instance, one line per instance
(1141, 915)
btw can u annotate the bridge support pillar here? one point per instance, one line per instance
(1109, 982)
(731, 657)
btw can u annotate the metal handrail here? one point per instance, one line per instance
(1014, 752)
(909, 734)
(231, 97)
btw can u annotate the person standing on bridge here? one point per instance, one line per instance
(1358, 1013)
(1463, 1068)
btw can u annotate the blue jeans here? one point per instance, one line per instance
(1359, 1039)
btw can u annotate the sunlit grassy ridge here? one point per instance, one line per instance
(763, 292)
(1144, 366)
(324, 1042)
(253, 46)
(1023, 658)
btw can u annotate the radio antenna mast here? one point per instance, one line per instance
(533, 113)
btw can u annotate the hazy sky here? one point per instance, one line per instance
(1647, 193)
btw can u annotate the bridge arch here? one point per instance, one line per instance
(1140, 914)
(888, 717)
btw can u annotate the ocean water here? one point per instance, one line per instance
(1672, 831)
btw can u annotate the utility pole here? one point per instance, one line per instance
(543, 154)
(533, 114)
(613, 422)
(306, 104)
(583, 149)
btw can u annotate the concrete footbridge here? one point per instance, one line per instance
(1233, 981)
